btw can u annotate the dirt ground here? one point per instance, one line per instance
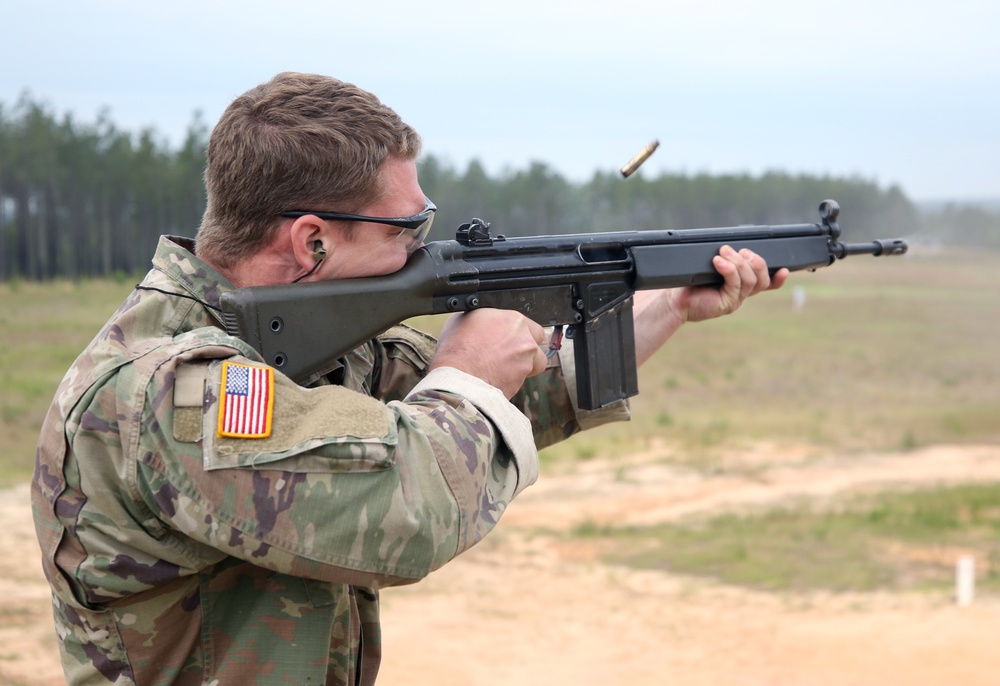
(525, 607)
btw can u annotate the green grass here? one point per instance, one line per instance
(898, 541)
(886, 355)
(43, 327)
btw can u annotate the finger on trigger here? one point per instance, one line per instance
(539, 363)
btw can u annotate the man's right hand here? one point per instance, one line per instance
(501, 347)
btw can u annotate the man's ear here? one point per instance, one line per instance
(312, 240)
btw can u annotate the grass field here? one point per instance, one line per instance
(43, 327)
(885, 354)
(888, 541)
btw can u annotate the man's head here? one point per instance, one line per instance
(297, 141)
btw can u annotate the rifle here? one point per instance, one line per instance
(584, 282)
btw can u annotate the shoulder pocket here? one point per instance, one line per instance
(323, 429)
(418, 346)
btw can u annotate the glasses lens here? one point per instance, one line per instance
(417, 234)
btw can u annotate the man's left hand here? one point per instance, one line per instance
(658, 314)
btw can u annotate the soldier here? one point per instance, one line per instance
(205, 520)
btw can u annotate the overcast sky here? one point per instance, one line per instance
(904, 93)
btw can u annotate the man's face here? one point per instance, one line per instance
(378, 249)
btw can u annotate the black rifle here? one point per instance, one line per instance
(582, 281)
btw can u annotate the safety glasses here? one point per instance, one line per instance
(414, 228)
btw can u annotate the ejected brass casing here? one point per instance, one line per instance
(637, 161)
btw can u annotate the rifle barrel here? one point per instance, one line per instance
(894, 246)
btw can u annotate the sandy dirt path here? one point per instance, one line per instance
(526, 607)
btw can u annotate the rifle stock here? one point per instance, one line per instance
(583, 281)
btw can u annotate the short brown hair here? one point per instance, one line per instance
(299, 141)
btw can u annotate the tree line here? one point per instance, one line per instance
(88, 199)
(81, 199)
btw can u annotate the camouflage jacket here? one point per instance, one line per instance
(183, 550)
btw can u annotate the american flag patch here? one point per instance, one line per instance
(247, 401)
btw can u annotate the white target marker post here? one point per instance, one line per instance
(965, 580)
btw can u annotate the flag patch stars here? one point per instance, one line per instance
(247, 403)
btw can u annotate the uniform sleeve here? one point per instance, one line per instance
(343, 487)
(548, 400)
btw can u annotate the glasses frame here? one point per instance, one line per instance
(416, 226)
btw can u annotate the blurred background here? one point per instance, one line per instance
(527, 110)
(877, 373)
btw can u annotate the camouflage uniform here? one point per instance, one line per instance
(178, 555)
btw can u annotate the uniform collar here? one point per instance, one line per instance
(175, 257)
